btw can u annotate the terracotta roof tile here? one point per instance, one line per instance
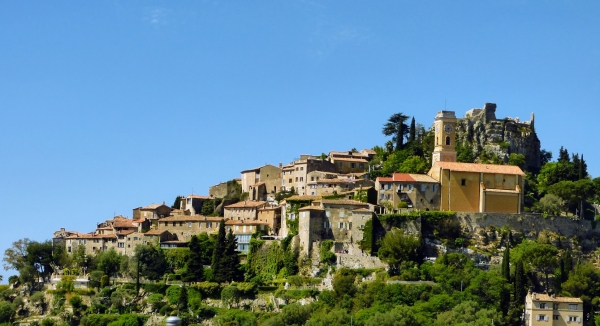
(190, 218)
(362, 210)
(247, 204)
(125, 232)
(199, 197)
(245, 222)
(303, 197)
(545, 297)
(343, 202)
(123, 224)
(350, 159)
(155, 232)
(479, 168)
(311, 208)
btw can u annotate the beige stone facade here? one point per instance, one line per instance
(183, 227)
(192, 204)
(351, 162)
(244, 210)
(296, 173)
(152, 212)
(546, 310)
(418, 191)
(470, 187)
(268, 174)
(271, 216)
(327, 187)
(331, 219)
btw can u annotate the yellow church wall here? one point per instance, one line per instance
(462, 198)
(501, 203)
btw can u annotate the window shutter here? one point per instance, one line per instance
(579, 319)
(545, 318)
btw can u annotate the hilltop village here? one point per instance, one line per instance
(335, 194)
(468, 221)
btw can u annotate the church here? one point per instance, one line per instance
(472, 187)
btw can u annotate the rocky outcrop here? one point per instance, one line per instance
(488, 136)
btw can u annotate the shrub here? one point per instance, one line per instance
(156, 301)
(155, 287)
(208, 289)
(173, 294)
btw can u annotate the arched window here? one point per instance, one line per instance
(447, 140)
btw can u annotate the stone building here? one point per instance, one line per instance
(471, 187)
(268, 174)
(244, 210)
(192, 204)
(296, 173)
(549, 310)
(418, 191)
(152, 212)
(349, 162)
(183, 227)
(333, 220)
(272, 216)
(221, 189)
(320, 186)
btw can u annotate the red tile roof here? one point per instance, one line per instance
(407, 177)
(479, 168)
(311, 208)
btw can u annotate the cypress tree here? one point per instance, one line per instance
(412, 131)
(520, 282)
(195, 268)
(183, 300)
(567, 259)
(217, 256)
(231, 260)
(505, 268)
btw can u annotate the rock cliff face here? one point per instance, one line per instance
(486, 135)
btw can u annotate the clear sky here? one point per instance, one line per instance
(110, 105)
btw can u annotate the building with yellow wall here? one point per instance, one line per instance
(548, 310)
(472, 187)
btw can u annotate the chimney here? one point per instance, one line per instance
(280, 165)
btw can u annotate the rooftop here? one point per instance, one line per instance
(247, 204)
(479, 168)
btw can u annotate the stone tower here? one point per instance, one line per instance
(445, 138)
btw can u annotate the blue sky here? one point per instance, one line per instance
(107, 106)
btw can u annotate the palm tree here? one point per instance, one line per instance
(396, 128)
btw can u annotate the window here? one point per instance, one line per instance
(572, 307)
(301, 168)
(541, 317)
(382, 186)
(447, 140)
(301, 179)
(135, 238)
(292, 216)
(463, 182)
(433, 188)
(555, 317)
(189, 224)
(342, 214)
(290, 180)
(362, 226)
(381, 196)
(543, 306)
(341, 225)
(209, 224)
(173, 223)
(352, 165)
(361, 165)
(121, 245)
(410, 187)
(312, 178)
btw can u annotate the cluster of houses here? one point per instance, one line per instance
(333, 199)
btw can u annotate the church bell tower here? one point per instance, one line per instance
(445, 139)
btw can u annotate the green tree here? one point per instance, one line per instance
(412, 131)
(150, 261)
(230, 295)
(517, 159)
(399, 316)
(39, 255)
(551, 204)
(397, 247)
(397, 128)
(231, 260)
(208, 207)
(520, 282)
(108, 261)
(414, 164)
(195, 269)
(505, 268)
(6, 312)
(15, 257)
(182, 303)
(177, 202)
(217, 267)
